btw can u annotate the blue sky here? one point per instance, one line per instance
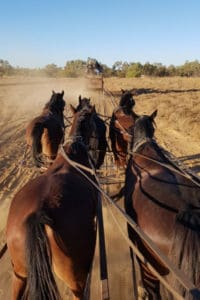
(34, 33)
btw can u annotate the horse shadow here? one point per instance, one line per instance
(141, 91)
(187, 160)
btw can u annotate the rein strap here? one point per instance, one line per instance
(74, 163)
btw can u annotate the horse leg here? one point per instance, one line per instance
(16, 248)
(139, 290)
(151, 284)
(18, 287)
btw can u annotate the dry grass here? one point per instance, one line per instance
(177, 100)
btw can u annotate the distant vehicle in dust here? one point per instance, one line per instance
(93, 67)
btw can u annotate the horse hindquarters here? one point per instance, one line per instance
(52, 137)
(40, 279)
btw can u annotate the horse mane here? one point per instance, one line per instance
(163, 154)
(76, 150)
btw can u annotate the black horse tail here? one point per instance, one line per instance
(40, 280)
(36, 144)
(103, 145)
(112, 136)
(185, 251)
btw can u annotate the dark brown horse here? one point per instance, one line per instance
(45, 133)
(52, 223)
(97, 143)
(122, 120)
(165, 204)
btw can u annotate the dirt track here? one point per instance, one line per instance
(178, 104)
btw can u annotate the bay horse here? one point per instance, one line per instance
(45, 133)
(165, 204)
(122, 120)
(52, 223)
(97, 143)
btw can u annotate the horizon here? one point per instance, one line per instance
(62, 67)
(35, 34)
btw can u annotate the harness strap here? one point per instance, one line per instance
(123, 130)
(171, 168)
(102, 246)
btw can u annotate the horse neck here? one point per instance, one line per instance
(58, 115)
(127, 110)
(74, 131)
(148, 148)
(125, 120)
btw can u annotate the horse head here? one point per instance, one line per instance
(144, 128)
(127, 102)
(83, 102)
(56, 103)
(83, 123)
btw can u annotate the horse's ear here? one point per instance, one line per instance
(123, 91)
(79, 98)
(62, 93)
(154, 114)
(73, 109)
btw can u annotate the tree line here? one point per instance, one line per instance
(77, 68)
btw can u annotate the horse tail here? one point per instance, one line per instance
(36, 143)
(103, 145)
(112, 135)
(185, 251)
(40, 280)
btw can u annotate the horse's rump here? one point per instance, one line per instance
(45, 132)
